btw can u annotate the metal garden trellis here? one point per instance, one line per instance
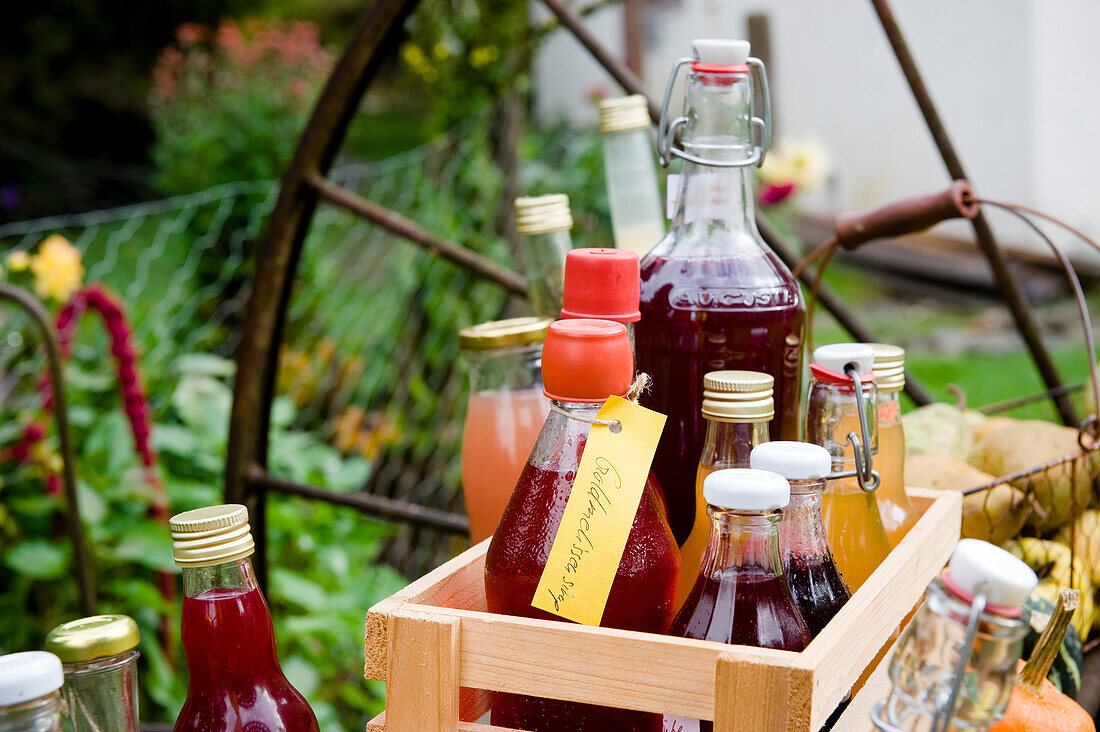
(305, 185)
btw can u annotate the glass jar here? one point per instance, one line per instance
(543, 223)
(100, 660)
(737, 407)
(850, 513)
(30, 692)
(637, 216)
(504, 413)
(927, 656)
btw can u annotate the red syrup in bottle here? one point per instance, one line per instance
(642, 593)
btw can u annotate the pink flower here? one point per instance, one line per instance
(772, 194)
(189, 33)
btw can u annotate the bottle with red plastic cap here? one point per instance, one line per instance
(851, 515)
(603, 283)
(584, 361)
(713, 295)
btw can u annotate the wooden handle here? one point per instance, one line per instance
(907, 217)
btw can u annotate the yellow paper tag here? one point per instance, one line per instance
(592, 535)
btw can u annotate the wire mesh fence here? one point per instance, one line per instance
(370, 354)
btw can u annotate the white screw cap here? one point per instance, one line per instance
(838, 355)
(792, 460)
(744, 489)
(29, 675)
(721, 51)
(980, 566)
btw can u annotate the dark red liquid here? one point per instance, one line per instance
(818, 590)
(744, 608)
(641, 596)
(702, 315)
(235, 683)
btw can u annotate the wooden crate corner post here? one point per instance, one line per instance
(422, 690)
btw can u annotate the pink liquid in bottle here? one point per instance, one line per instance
(500, 430)
(235, 682)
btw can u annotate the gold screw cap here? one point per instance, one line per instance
(543, 214)
(738, 396)
(99, 636)
(211, 535)
(619, 114)
(502, 333)
(889, 367)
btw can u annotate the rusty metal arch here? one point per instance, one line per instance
(305, 185)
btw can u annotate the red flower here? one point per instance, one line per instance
(774, 193)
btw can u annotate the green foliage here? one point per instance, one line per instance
(326, 572)
(229, 104)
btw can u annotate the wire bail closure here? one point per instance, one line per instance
(761, 126)
(945, 705)
(864, 473)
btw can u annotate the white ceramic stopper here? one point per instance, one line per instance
(1002, 578)
(792, 460)
(29, 675)
(838, 355)
(744, 489)
(721, 51)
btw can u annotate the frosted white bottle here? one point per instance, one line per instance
(637, 218)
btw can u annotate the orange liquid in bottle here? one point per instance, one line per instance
(500, 430)
(691, 553)
(898, 514)
(854, 529)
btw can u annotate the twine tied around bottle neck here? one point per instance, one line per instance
(641, 384)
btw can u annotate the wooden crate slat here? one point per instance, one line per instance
(378, 724)
(633, 670)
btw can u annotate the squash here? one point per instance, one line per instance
(1065, 671)
(1062, 570)
(1036, 705)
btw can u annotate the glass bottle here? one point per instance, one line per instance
(737, 407)
(713, 295)
(898, 512)
(853, 524)
(602, 283)
(30, 692)
(234, 678)
(584, 361)
(741, 595)
(100, 655)
(922, 669)
(637, 215)
(816, 584)
(543, 223)
(504, 413)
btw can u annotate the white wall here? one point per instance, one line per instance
(1013, 80)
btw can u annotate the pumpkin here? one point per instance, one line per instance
(1036, 705)
(1065, 672)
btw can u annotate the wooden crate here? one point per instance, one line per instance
(440, 652)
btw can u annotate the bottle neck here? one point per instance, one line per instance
(719, 109)
(37, 715)
(227, 629)
(729, 444)
(743, 542)
(832, 414)
(563, 435)
(802, 530)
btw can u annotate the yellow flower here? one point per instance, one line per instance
(803, 163)
(56, 268)
(415, 58)
(18, 261)
(440, 51)
(483, 56)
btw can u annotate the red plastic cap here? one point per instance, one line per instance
(602, 283)
(586, 360)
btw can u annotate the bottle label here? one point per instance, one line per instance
(679, 724)
(710, 196)
(599, 513)
(672, 195)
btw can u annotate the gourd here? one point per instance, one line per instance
(1065, 671)
(1036, 705)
